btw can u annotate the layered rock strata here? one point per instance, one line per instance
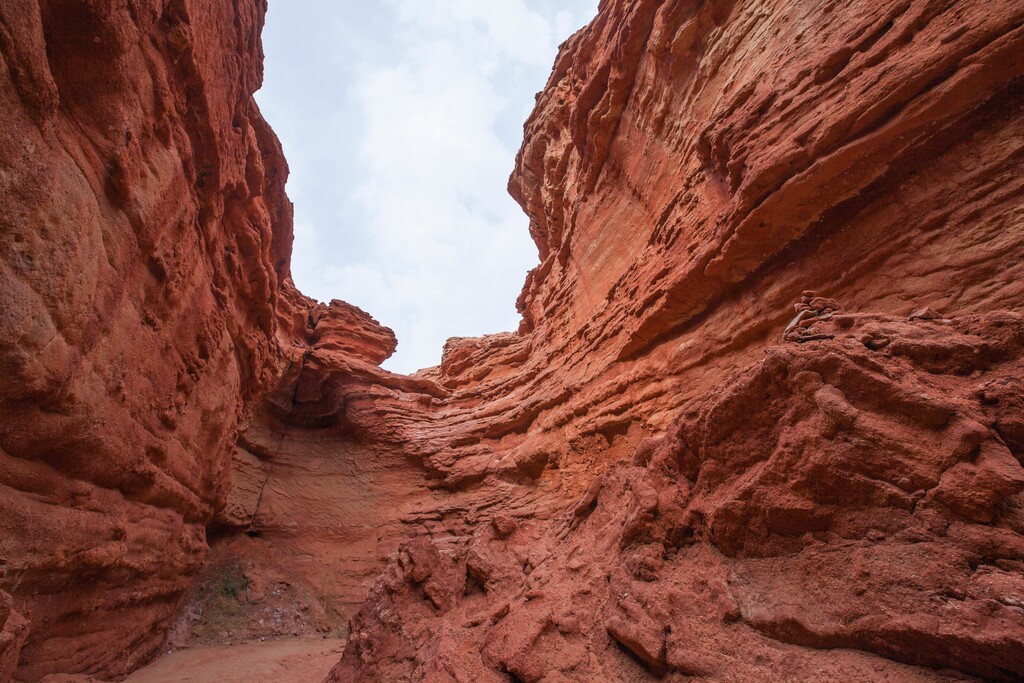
(691, 169)
(145, 242)
(667, 471)
(855, 492)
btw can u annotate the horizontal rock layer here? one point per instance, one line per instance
(846, 505)
(667, 471)
(691, 171)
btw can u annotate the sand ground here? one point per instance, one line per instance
(278, 661)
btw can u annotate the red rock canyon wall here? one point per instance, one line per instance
(666, 472)
(145, 245)
(652, 478)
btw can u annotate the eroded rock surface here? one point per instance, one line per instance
(849, 492)
(762, 419)
(13, 632)
(145, 242)
(759, 492)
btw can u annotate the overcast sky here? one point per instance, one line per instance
(400, 120)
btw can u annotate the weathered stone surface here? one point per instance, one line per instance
(144, 244)
(13, 632)
(742, 508)
(666, 471)
(816, 516)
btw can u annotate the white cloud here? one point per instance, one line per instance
(509, 27)
(405, 180)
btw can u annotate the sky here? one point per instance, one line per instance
(400, 120)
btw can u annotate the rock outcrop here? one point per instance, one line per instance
(851, 494)
(666, 472)
(642, 482)
(13, 632)
(145, 243)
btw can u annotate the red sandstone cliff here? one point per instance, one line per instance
(651, 478)
(662, 474)
(145, 242)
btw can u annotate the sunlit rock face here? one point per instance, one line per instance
(761, 421)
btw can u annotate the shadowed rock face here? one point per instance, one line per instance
(13, 631)
(145, 241)
(666, 472)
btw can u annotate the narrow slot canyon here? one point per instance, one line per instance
(762, 419)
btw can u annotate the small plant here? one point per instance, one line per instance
(232, 585)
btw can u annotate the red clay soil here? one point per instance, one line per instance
(267, 662)
(763, 419)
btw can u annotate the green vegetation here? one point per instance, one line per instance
(222, 609)
(232, 585)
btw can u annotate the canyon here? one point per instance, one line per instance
(763, 418)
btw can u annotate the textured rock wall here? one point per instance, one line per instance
(144, 240)
(320, 505)
(662, 473)
(13, 632)
(847, 504)
(643, 482)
